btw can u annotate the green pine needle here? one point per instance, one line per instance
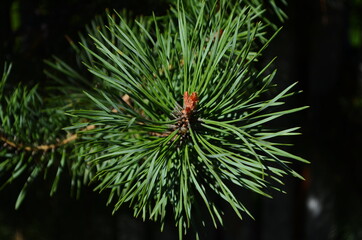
(168, 114)
(151, 152)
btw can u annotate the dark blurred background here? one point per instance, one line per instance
(320, 46)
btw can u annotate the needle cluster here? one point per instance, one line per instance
(171, 114)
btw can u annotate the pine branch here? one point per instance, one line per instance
(33, 141)
(166, 150)
(168, 112)
(44, 147)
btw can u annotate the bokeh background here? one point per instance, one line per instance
(320, 46)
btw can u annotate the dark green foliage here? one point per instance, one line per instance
(25, 125)
(171, 117)
(34, 142)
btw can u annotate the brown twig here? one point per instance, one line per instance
(44, 147)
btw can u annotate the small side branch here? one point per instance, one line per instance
(44, 147)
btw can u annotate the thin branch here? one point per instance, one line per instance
(44, 147)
